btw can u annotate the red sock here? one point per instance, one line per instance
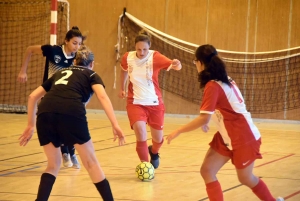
(262, 192)
(156, 146)
(142, 150)
(214, 191)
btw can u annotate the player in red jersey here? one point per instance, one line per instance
(144, 99)
(237, 139)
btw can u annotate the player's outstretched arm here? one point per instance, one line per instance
(108, 108)
(201, 120)
(36, 49)
(176, 65)
(33, 98)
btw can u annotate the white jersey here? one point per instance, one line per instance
(143, 87)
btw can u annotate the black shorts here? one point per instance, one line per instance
(61, 129)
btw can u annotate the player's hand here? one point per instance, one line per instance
(176, 65)
(122, 94)
(26, 136)
(22, 77)
(171, 136)
(205, 128)
(118, 134)
(175, 62)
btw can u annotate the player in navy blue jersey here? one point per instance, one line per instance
(61, 119)
(57, 58)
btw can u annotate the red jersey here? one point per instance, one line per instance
(226, 104)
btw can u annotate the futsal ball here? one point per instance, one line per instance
(145, 171)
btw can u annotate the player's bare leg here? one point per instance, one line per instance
(53, 155)
(212, 163)
(89, 160)
(259, 188)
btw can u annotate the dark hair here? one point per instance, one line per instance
(84, 56)
(214, 67)
(74, 32)
(143, 36)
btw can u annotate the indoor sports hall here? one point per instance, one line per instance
(258, 41)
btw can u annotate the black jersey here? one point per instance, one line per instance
(56, 59)
(68, 90)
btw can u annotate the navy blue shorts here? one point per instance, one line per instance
(61, 129)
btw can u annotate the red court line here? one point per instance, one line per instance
(274, 160)
(292, 195)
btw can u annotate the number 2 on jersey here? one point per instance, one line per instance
(64, 80)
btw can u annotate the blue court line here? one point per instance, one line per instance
(21, 156)
(224, 191)
(19, 167)
(9, 173)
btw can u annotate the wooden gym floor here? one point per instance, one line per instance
(177, 178)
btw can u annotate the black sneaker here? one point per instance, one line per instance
(154, 158)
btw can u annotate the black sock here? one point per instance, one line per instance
(64, 149)
(71, 149)
(104, 190)
(46, 183)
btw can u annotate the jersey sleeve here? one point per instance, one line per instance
(161, 61)
(48, 84)
(47, 50)
(124, 64)
(210, 98)
(96, 79)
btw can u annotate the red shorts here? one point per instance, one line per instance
(240, 157)
(153, 115)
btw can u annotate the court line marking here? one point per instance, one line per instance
(274, 160)
(9, 173)
(224, 191)
(292, 195)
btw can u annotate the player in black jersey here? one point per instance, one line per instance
(61, 118)
(57, 58)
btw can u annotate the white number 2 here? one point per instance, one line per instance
(63, 80)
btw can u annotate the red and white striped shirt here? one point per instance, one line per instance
(226, 104)
(143, 88)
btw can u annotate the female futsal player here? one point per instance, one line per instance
(237, 138)
(57, 58)
(144, 100)
(57, 124)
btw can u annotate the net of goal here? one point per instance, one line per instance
(269, 81)
(25, 23)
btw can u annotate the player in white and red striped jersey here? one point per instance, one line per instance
(144, 99)
(237, 138)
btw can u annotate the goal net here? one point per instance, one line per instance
(269, 81)
(25, 23)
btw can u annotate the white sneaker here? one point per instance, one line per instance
(67, 160)
(279, 199)
(75, 162)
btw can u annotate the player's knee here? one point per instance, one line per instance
(206, 172)
(53, 167)
(90, 163)
(248, 180)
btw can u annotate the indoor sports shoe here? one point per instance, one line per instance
(75, 162)
(279, 199)
(154, 158)
(67, 160)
